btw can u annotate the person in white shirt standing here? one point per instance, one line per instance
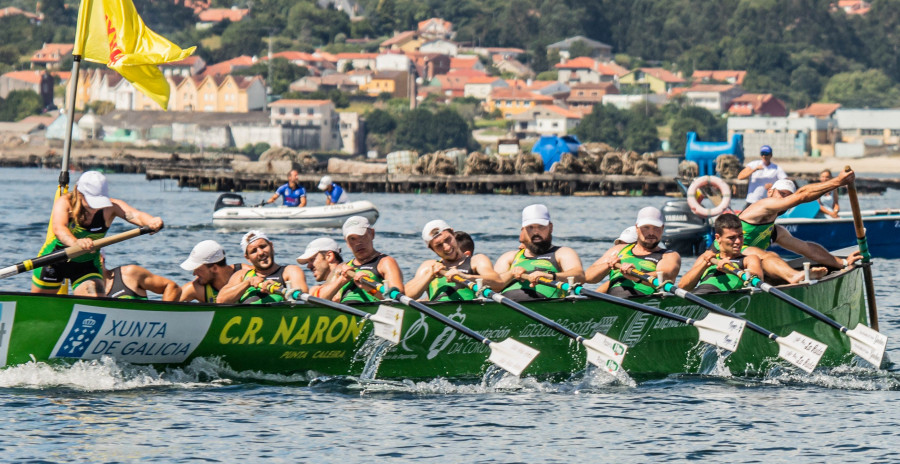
(762, 174)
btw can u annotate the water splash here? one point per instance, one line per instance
(373, 351)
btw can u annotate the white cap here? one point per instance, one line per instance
(325, 182)
(629, 235)
(205, 252)
(433, 229)
(92, 185)
(317, 246)
(535, 214)
(251, 237)
(785, 184)
(356, 225)
(650, 216)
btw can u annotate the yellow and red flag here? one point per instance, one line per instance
(111, 32)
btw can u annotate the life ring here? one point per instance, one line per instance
(703, 181)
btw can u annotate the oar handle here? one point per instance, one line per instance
(69, 252)
(280, 289)
(744, 274)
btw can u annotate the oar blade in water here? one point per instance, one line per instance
(605, 353)
(388, 322)
(868, 343)
(801, 351)
(512, 356)
(721, 331)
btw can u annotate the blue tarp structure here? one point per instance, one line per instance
(705, 153)
(552, 147)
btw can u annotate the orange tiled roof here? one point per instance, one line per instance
(463, 62)
(726, 75)
(483, 80)
(560, 111)
(297, 102)
(32, 77)
(443, 23)
(356, 56)
(582, 62)
(610, 68)
(399, 38)
(503, 93)
(227, 67)
(216, 15)
(707, 88)
(52, 53)
(662, 74)
(819, 110)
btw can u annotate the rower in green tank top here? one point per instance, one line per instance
(434, 277)
(346, 285)
(78, 218)
(760, 231)
(707, 274)
(251, 285)
(644, 254)
(519, 270)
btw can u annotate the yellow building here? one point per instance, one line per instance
(654, 80)
(514, 101)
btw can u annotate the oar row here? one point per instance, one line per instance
(720, 328)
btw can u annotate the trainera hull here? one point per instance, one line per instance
(311, 340)
(284, 217)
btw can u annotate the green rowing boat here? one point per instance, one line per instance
(307, 339)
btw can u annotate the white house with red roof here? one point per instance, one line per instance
(51, 55)
(730, 76)
(481, 87)
(212, 16)
(584, 70)
(229, 66)
(393, 61)
(307, 120)
(757, 104)
(355, 60)
(435, 28)
(714, 97)
(545, 120)
(471, 62)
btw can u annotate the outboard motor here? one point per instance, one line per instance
(228, 200)
(685, 232)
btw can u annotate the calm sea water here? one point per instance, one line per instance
(108, 412)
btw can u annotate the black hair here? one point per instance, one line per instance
(727, 221)
(464, 241)
(221, 263)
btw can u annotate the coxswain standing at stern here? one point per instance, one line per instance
(537, 258)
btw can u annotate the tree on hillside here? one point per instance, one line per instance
(283, 73)
(19, 104)
(425, 132)
(380, 122)
(695, 119)
(605, 123)
(862, 89)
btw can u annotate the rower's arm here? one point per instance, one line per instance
(393, 277)
(570, 264)
(670, 266)
(691, 278)
(810, 250)
(157, 284)
(503, 268)
(189, 292)
(746, 172)
(295, 278)
(61, 221)
(303, 201)
(135, 216)
(602, 267)
(424, 275)
(235, 287)
(482, 269)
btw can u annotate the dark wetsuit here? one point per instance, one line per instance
(79, 269)
(118, 289)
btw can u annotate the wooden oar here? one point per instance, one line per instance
(869, 344)
(717, 330)
(602, 351)
(864, 251)
(73, 251)
(795, 348)
(510, 355)
(387, 321)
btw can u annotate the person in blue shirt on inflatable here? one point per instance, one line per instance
(334, 194)
(293, 193)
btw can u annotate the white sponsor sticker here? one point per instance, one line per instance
(7, 314)
(132, 335)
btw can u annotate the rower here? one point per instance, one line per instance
(367, 261)
(207, 262)
(322, 257)
(709, 277)
(465, 242)
(645, 254)
(430, 278)
(600, 269)
(78, 218)
(537, 258)
(334, 194)
(294, 194)
(760, 230)
(249, 286)
(132, 282)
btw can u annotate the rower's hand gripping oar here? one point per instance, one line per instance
(68, 253)
(795, 348)
(602, 351)
(865, 342)
(387, 321)
(720, 331)
(510, 355)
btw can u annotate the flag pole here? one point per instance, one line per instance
(70, 122)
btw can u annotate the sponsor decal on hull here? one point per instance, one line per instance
(130, 335)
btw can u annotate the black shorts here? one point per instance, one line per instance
(52, 276)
